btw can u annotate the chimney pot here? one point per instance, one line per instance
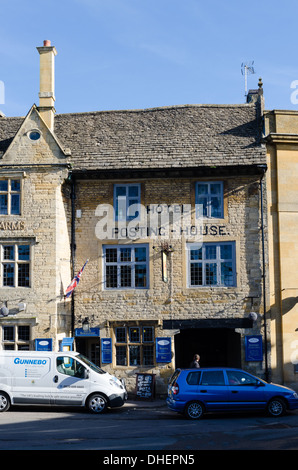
(47, 43)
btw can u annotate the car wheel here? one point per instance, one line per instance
(194, 410)
(97, 403)
(4, 401)
(276, 407)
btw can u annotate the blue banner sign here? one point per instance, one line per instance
(90, 332)
(253, 348)
(163, 349)
(106, 350)
(67, 344)
(43, 344)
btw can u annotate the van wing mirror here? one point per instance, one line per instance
(86, 374)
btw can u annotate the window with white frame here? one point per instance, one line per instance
(211, 264)
(209, 199)
(127, 200)
(126, 266)
(15, 264)
(15, 337)
(10, 196)
(134, 346)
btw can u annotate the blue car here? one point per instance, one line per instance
(197, 391)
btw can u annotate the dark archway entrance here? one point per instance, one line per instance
(89, 347)
(218, 347)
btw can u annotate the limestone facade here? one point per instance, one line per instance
(40, 225)
(169, 288)
(282, 157)
(175, 299)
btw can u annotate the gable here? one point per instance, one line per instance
(33, 143)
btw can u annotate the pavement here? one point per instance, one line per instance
(144, 404)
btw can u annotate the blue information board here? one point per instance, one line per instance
(43, 344)
(106, 350)
(67, 344)
(163, 349)
(89, 333)
(253, 348)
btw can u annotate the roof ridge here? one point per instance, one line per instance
(11, 117)
(159, 108)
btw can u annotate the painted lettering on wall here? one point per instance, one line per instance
(12, 225)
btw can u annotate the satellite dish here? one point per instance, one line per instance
(22, 306)
(253, 316)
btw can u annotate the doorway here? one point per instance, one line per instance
(217, 347)
(89, 347)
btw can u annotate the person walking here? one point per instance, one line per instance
(195, 363)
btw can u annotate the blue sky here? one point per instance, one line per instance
(133, 54)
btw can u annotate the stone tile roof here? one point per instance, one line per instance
(171, 137)
(9, 126)
(174, 137)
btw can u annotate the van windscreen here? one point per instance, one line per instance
(90, 364)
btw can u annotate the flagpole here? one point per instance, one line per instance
(72, 315)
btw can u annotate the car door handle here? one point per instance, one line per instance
(203, 391)
(56, 378)
(234, 391)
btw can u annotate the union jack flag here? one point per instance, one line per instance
(74, 282)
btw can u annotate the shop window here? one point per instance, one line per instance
(15, 265)
(211, 264)
(127, 200)
(134, 346)
(15, 337)
(209, 199)
(126, 267)
(10, 196)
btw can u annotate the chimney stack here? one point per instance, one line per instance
(47, 83)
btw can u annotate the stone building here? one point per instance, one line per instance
(281, 129)
(166, 207)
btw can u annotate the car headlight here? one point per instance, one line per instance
(115, 384)
(295, 395)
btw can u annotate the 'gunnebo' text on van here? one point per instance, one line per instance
(30, 361)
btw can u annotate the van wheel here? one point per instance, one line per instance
(97, 403)
(276, 407)
(194, 410)
(4, 401)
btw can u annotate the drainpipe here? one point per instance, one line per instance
(264, 277)
(73, 249)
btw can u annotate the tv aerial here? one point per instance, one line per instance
(247, 68)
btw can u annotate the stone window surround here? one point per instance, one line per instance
(16, 342)
(127, 199)
(131, 263)
(10, 193)
(128, 341)
(217, 261)
(15, 242)
(208, 196)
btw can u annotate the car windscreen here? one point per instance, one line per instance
(90, 364)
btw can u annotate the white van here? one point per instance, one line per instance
(56, 378)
